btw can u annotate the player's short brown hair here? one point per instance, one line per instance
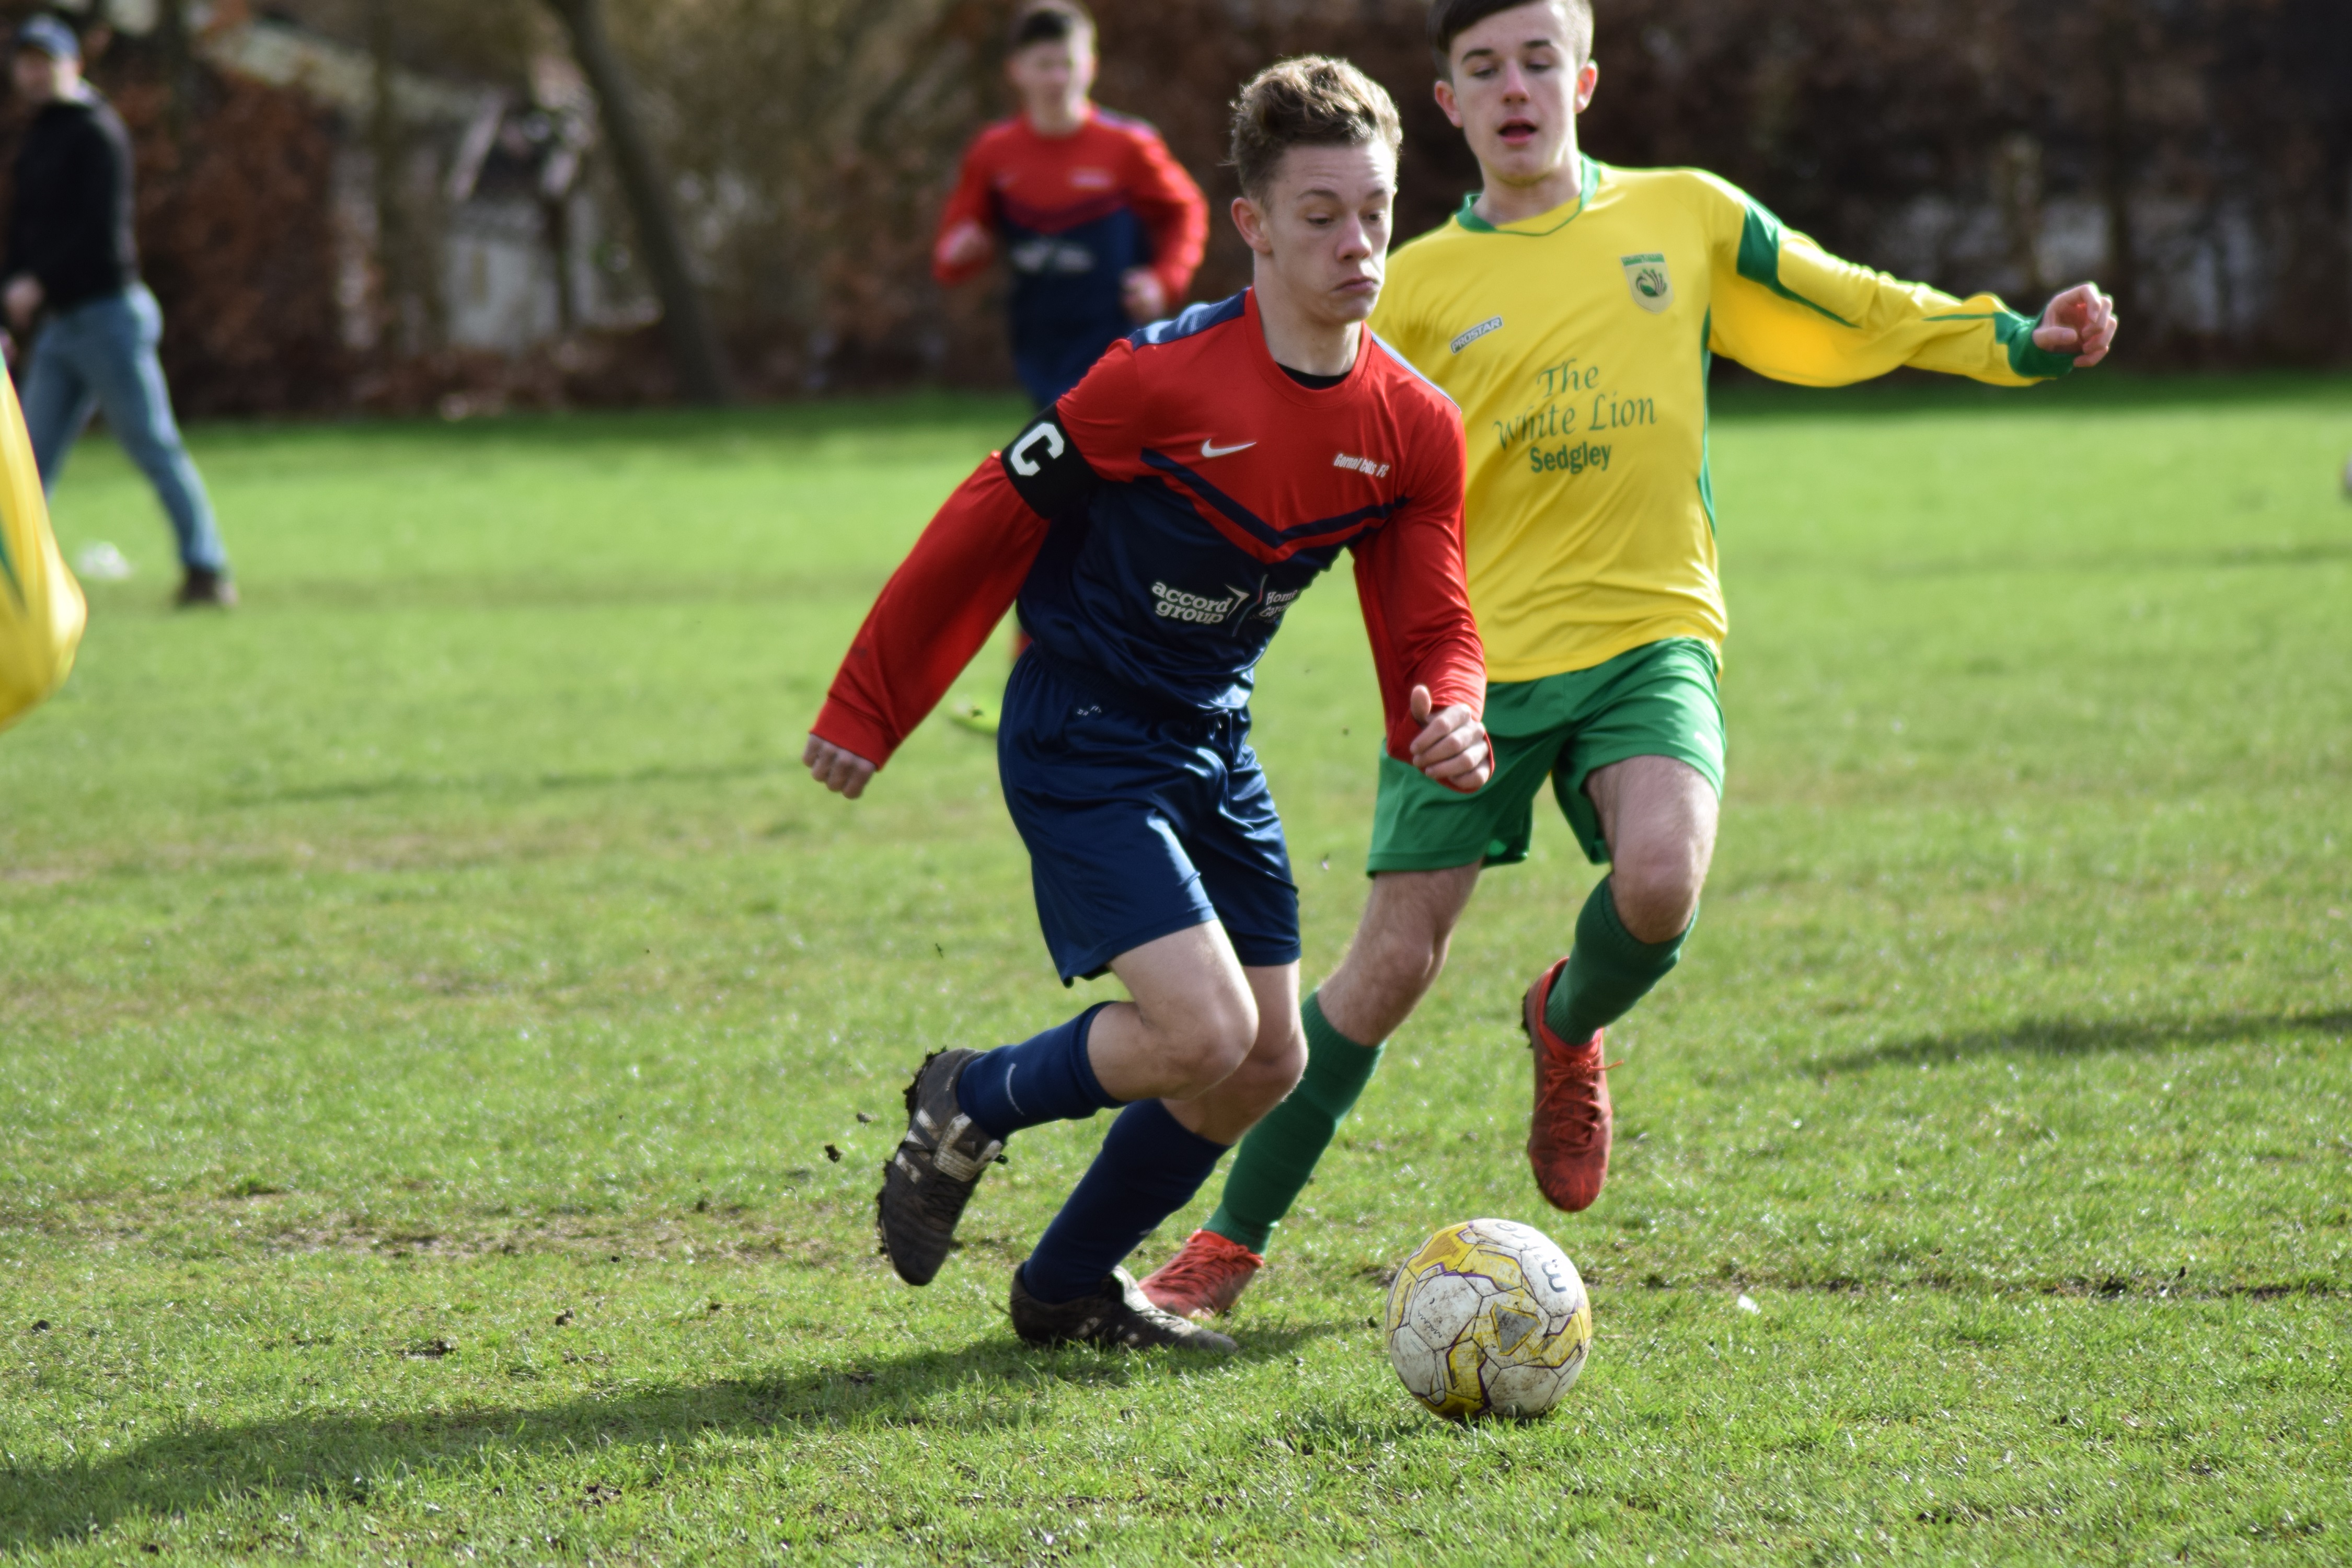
(1047, 22)
(1449, 19)
(1311, 100)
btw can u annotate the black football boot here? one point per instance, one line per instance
(931, 1175)
(1116, 1315)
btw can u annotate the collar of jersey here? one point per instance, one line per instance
(1087, 122)
(1590, 180)
(1282, 385)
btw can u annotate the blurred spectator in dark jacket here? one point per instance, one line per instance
(73, 269)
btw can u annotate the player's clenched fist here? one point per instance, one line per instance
(844, 773)
(1452, 746)
(2082, 321)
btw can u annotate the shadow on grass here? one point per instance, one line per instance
(495, 784)
(336, 1457)
(2079, 1037)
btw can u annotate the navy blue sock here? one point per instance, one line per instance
(1046, 1078)
(1149, 1167)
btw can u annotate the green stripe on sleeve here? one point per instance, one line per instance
(1759, 260)
(2025, 357)
(2015, 334)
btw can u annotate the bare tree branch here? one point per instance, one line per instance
(685, 319)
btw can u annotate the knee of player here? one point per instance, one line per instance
(1211, 1040)
(1279, 1059)
(1657, 896)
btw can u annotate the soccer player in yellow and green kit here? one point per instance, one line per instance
(1572, 309)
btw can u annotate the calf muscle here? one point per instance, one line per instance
(1266, 1076)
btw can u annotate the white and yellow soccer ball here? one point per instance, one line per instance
(1488, 1318)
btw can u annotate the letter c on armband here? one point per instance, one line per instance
(1047, 468)
(1054, 447)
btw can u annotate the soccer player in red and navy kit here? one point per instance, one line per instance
(1102, 228)
(1153, 526)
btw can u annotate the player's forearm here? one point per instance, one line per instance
(1453, 668)
(935, 612)
(1417, 614)
(1817, 321)
(1176, 220)
(1177, 248)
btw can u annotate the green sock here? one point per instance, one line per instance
(1272, 1166)
(1608, 970)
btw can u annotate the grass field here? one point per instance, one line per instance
(439, 1028)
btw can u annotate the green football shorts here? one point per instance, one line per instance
(1659, 700)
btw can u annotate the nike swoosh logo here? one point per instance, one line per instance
(1209, 449)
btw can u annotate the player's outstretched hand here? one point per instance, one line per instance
(1145, 296)
(2081, 319)
(844, 773)
(1452, 746)
(23, 300)
(966, 245)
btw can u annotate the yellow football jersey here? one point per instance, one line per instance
(1576, 344)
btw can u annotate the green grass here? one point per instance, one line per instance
(430, 1005)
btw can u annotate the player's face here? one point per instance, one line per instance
(1323, 227)
(37, 76)
(1520, 81)
(1052, 76)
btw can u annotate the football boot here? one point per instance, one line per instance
(1115, 1315)
(1568, 1133)
(1204, 1278)
(931, 1174)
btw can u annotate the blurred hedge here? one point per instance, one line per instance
(2196, 155)
(2185, 126)
(236, 236)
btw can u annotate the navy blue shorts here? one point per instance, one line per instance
(1139, 827)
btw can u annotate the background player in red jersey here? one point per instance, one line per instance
(1155, 525)
(1101, 227)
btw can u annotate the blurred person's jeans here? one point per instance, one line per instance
(100, 356)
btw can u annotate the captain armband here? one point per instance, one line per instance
(1047, 469)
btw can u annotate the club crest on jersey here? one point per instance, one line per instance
(1491, 324)
(1653, 291)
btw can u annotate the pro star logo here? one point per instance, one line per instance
(1646, 277)
(1491, 324)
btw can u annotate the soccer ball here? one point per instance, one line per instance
(1488, 1318)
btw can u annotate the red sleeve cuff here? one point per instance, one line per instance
(858, 733)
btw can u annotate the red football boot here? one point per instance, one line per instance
(1567, 1134)
(1204, 1278)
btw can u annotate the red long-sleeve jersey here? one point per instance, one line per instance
(1073, 216)
(1020, 186)
(1157, 522)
